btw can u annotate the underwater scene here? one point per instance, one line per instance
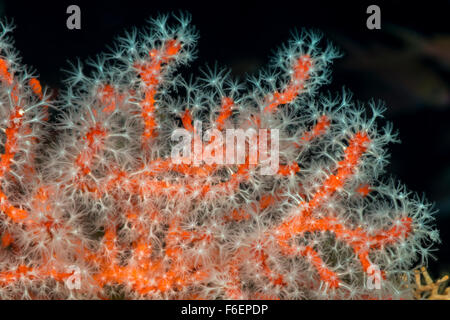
(224, 151)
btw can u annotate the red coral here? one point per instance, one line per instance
(103, 208)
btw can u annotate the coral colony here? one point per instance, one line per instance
(93, 205)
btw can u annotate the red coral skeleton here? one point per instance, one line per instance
(100, 210)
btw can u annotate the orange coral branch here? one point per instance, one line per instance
(150, 73)
(300, 74)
